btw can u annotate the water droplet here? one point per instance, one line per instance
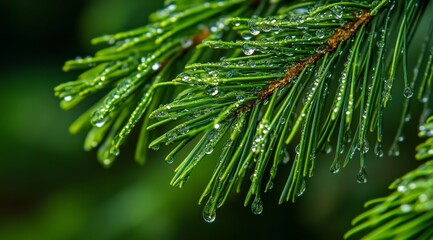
(388, 84)
(328, 148)
(407, 118)
(270, 185)
(348, 136)
(251, 63)
(406, 208)
(253, 27)
(266, 28)
(209, 213)
(246, 35)
(408, 92)
(247, 49)
(282, 119)
(400, 138)
(185, 76)
(320, 34)
(307, 36)
(301, 188)
(67, 98)
(402, 188)
(338, 11)
(156, 66)
(366, 147)
(423, 197)
(257, 206)
(412, 186)
(286, 157)
(240, 98)
(107, 162)
(358, 14)
(362, 175)
(236, 22)
(335, 167)
(298, 149)
(352, 151)
(94, 144)
(208, 149)
(171, 135)
(254, 31)
(183, 130)
(217, 126)
(169, 159)
(254, 147)
(380, 44)
(100, 123)
(378, 149)
(155, 147)
(186, 43)
(115, 151)
(212, 90)
(341, 148)
(394, 151)
(171, 7)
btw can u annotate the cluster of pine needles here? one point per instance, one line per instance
(261, 84)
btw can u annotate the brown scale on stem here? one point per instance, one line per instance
(331, 45)
(203, 34)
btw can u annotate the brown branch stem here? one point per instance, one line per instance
(331, 45)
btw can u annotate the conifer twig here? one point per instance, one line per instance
(260, 83)
(339, 36)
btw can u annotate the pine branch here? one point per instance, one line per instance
(407, 213)
(247, 87)
(240, 93)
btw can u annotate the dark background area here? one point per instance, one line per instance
(51, 189)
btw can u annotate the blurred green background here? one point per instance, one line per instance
(51, 189)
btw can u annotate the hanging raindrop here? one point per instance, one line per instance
(106, 162)
(156, 66)
(169, 159)
(301, 188)
(408, 92)
(211, 90)
(378, 150)
(257, 206)
(100, 123)
(362, 175)
(209, 213)
(298, 149)
(335, 167)
(248, 50)
(67, 98)
(366, 147)
(115, 151)
(320, 34)
(286, 157)
(394, 151)
(328, 148)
